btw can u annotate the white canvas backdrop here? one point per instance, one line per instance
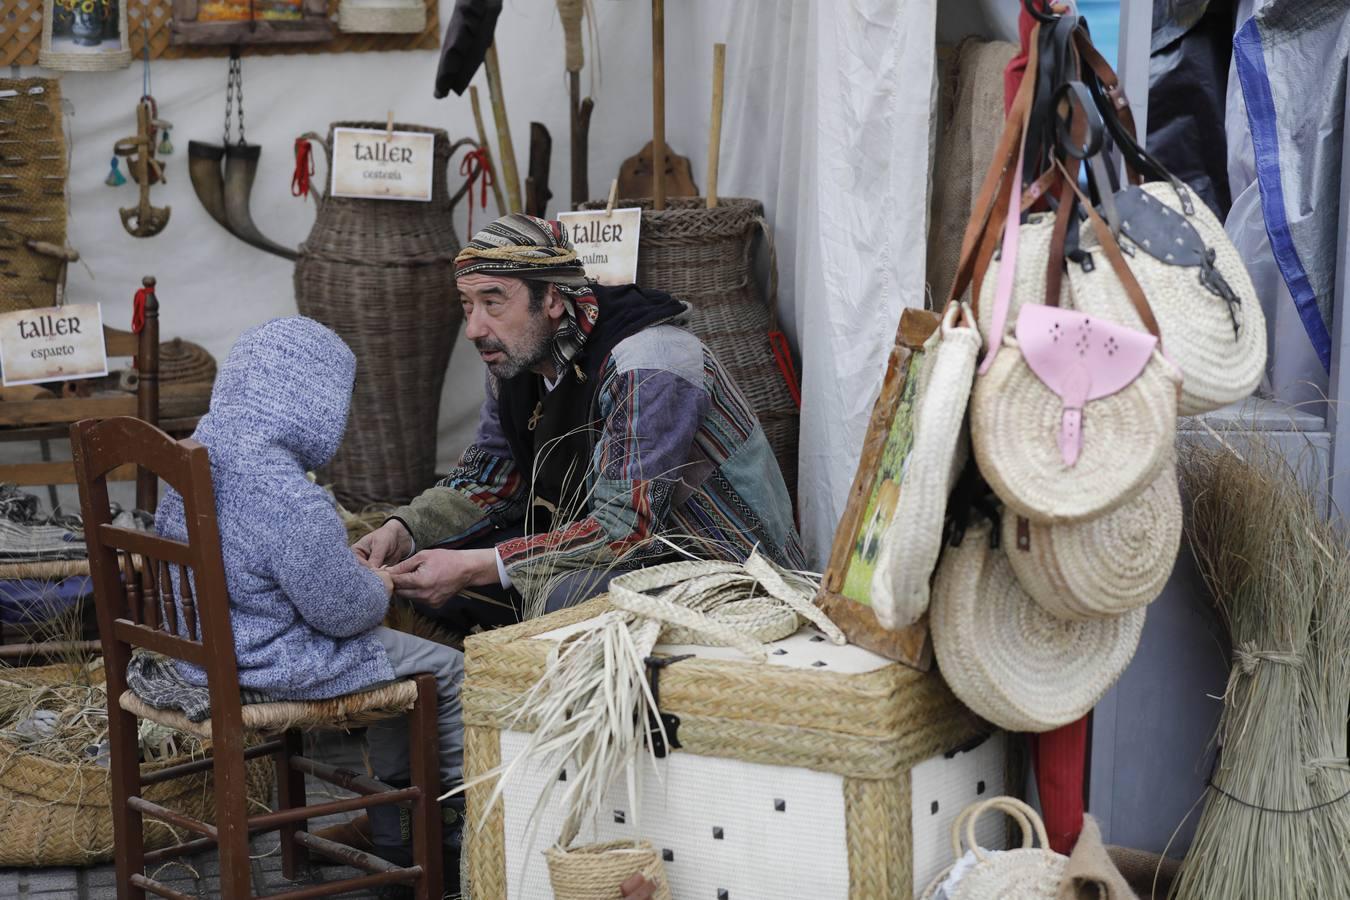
(826, 122)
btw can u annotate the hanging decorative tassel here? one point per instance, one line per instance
(304, 168)
(115, 177)
(476, 166)
(165, 145)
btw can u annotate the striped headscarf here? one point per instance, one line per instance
(521, 246)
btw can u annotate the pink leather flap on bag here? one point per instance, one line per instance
(1081, 358)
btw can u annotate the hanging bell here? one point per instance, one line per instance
(165, 146)
(115, 177)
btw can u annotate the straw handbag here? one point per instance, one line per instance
(1009, 660)
(1026, 873)
(595, 871)
(913, 540)
(1104, 566)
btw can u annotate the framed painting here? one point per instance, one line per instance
(845, 592)
(84, 35)
(197, 22)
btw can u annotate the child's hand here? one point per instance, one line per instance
(387, 580)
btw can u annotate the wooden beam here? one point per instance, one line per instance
(47, 412)
(34, 474)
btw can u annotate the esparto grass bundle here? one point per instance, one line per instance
(1276, 822)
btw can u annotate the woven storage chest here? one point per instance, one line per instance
(828, 773)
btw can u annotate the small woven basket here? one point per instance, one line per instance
(60, 814)
(1027, 873)
(706, 257)
(595, 871)
(183, 362)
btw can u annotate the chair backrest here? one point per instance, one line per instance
(164, 595)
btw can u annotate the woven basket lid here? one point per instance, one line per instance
(1197, 329)
(1015, 425)
(1009, 660)
(1103, 566)
(913, 540)
(182, 362)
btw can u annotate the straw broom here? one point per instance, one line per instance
(1276, 822)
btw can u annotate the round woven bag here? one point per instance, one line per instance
(911, 543)
(1126, 438)
(1104, 566)
(1221, 348)
(1028, 276)
(595, 871)
(1027, 873)
(1011, 661)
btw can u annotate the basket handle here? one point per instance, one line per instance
(1027, 820)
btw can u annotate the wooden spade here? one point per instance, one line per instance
(635, 175)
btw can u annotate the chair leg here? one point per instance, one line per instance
(424, 761)
(128, 837)
(291, 795)
(232, 822)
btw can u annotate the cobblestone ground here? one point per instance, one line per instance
(198, 876)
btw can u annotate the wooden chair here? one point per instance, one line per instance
(137, 607)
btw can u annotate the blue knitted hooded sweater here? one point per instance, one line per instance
(300, 602)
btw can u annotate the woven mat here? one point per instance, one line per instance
(33, 202)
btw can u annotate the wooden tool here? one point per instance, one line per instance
(487, 149)
(508, 173)
(537, 194)
(636, 176)
(658, 143)
(143, 220)
(715, 131)
(571, 13)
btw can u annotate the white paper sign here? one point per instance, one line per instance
(606, 243)
(373, 164)
(57, 343)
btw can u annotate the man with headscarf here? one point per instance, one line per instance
(609, 437)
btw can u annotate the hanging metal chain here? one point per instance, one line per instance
(234, 96)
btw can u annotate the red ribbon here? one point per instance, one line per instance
(474, 166)
(304, 168)
(138, 317)
(783, 354)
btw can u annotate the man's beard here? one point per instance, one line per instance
(534, 349)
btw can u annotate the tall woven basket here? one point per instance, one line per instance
(706, 257)
(381, 274)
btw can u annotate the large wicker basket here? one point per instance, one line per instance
(828, 772)
(57, 814)
(381, 274)
(706, 257)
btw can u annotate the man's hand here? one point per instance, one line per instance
(432, 577)
(387, 544)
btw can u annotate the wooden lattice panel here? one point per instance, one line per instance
(21, 34)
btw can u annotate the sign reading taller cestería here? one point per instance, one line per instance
(374, 164)
(57, 343)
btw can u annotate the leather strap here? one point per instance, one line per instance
(1121, 267)
(984, 211)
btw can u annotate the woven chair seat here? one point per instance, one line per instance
(348, 711)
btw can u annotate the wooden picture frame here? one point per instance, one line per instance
(205, 22)
(871, 499)
(85, 35)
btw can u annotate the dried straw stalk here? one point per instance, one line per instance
(1276, 822)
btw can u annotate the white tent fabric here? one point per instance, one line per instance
(827, 122)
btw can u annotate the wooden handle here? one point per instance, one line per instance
(658, 104)
(509, 173)
(715, 132)
(487, 149)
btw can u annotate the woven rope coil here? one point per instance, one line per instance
(1104, 566)
(380, 273)
(1220, 367)
(54, 813)
(1126, 439)
(706, 258)
(911, 543)
(183, 362)
(595, 871)
(1011, 661)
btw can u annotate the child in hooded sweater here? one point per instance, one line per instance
(306, 613)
